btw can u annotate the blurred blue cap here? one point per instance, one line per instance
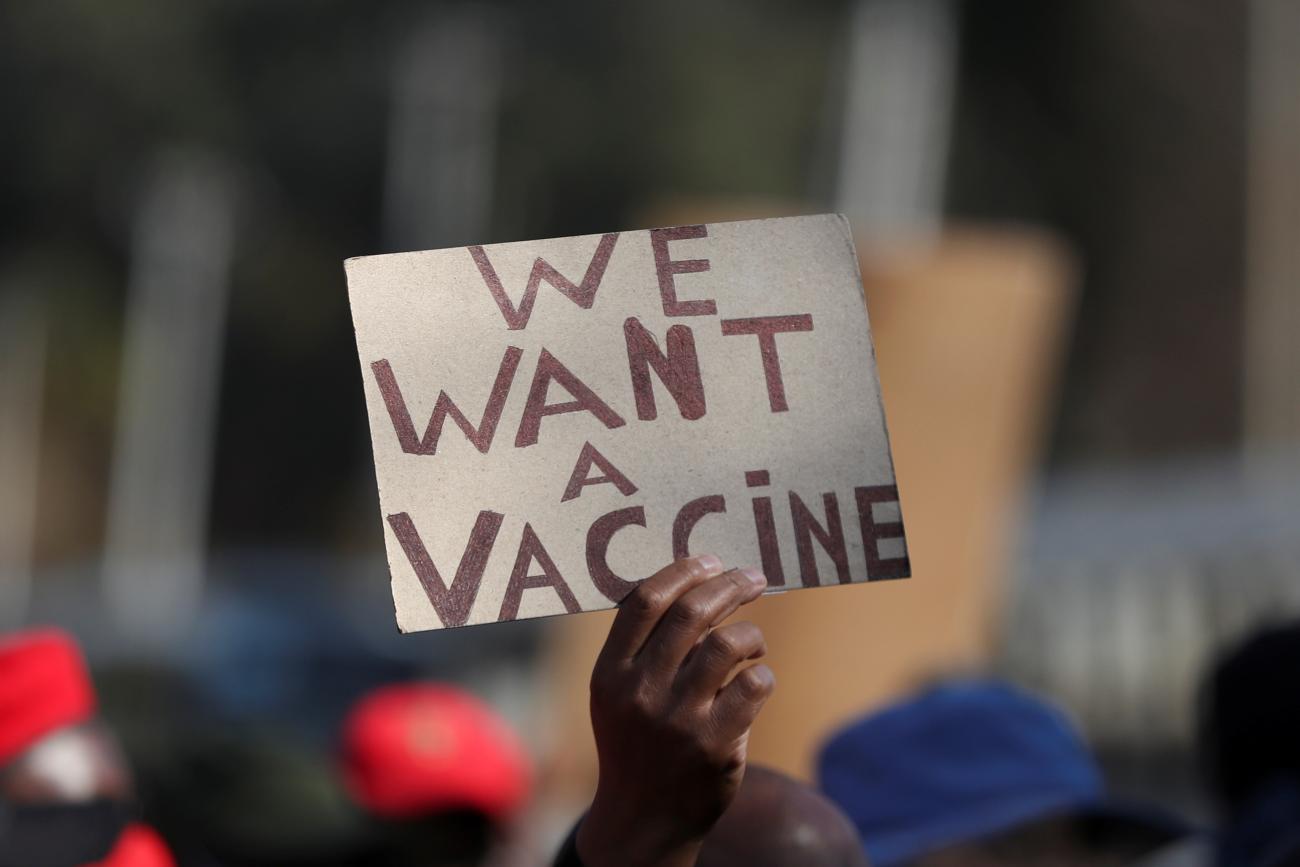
(958, 762)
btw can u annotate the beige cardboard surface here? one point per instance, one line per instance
(555, 419)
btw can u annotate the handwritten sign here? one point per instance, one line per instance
(555, 420)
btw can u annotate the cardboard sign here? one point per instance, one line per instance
(555, 420)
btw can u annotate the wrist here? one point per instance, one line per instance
(611, 838)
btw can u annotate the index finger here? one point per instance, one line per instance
(639, 613)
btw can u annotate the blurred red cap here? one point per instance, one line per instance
(44, 686)
(138, 846)
(411, 750)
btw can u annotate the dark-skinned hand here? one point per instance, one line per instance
(671, 721)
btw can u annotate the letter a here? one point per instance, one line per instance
(536, 408)
(530, 551)
(580, 477)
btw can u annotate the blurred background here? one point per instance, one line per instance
(1078, 226)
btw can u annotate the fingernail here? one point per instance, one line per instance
(756, 577)
(709, 563)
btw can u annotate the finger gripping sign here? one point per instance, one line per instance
(555, 420)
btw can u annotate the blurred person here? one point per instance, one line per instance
(1249, 739)
(978, 773)
(66, 796)
(778, 821)
(442, 777)
(673, 698)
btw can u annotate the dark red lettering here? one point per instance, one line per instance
(585, 400)
(531, 549)
(688, 516)
(579, 479)
(873, 532)
(769, 547)
(582, 294)
(830, 537)
(445, 407)
(602, 530)
(766, 328)
(678, 369)
(666, 267)
(452, 604)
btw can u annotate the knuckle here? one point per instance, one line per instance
(642, 700)
(689, 610)
(730, 644)
(725, 643)
(646, 601)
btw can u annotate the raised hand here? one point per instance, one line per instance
(671, 727)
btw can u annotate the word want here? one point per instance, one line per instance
(676, 364)
(453, 603)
